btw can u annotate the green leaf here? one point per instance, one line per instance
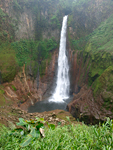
(51, 126)
(18, 129)
(27, 121)
(40, 119)
(21, 123)
(39, 125)
(34, 133)
(21, 120)
(67, 118)
(47, 123)
(28, 127)
(59, 123)
(26, 141)
(32, 121)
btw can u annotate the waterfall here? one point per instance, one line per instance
(62, 83)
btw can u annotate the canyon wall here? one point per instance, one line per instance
(90, 37)
(29, 17)
(27, 26)
(35, 19)
(23, 91)
(91, 58)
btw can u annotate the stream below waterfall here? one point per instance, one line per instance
(61, 96)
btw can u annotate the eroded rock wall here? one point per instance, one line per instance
(23, 90)
(23, 20)
(94, 103)
(91, 59)
(31, 19)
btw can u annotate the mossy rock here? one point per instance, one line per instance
(104, 83)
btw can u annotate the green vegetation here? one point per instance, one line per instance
(102, 37)
(7, 29)
(99, 48)
(96, 49)
(34, 53)
(2, 14)
(104, 85)
(86, 16)
(90, 32)
(62, 137)
(16, 5)
(8, 64)
(14, 88)
(2, 99)
(30, 131)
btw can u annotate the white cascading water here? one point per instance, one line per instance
(62, 84)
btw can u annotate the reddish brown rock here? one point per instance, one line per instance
(23, 90)
(86, 108)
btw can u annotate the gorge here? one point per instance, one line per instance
(29, 38)
(60, 97)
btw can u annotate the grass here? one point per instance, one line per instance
(68, 137)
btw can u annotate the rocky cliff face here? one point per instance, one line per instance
(23, 90)
(91, 61)
(88, 105)
(87, 16)
(28, 17)
(23, 20)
